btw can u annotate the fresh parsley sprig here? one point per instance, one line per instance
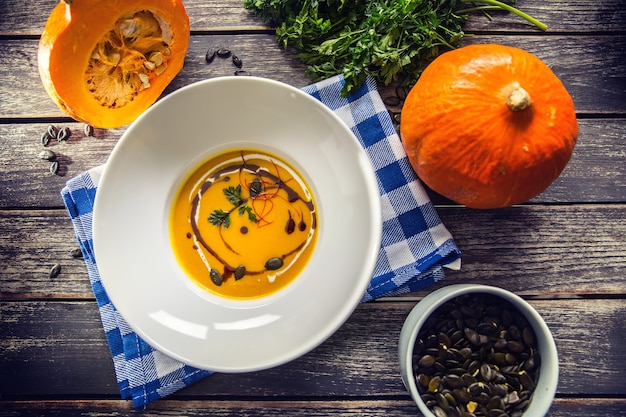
(383, 38)
(220, 217)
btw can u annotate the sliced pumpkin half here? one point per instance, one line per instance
(104, 62)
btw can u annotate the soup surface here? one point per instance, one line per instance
(243, 224)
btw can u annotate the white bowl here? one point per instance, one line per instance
(132, 246)
(545, 388)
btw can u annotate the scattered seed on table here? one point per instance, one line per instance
(76, 253)
(237, 62)
(54, 167)
(64, 134)
(55, 270)
(47, 155)
(223, 52)
(53, 131)
(242, 73)
(392, 101)
(45, 138)
(210, 55)
(401, 92)
(88, 130)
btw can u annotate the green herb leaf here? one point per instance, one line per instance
(247, 209)
(233, 194)
(220, 218)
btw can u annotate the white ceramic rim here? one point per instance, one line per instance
(545, 390)
(281, 337)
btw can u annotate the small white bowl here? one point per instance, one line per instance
(545, 388)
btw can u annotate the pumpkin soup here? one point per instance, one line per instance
(243, 224)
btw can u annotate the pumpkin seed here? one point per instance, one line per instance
(47, 155)
(427, 361)
(487, 372)
(392, 101)
(242, 72)
(256, 187)
(442, 401)
(515, 346)
(55, 270)
(402, 92)
(53, 131)
(439, 412)
(216, 277)
(273, 264)
(236, 61)
(461, 395)
(45, 138)
(423, 380)
(223, 52)
(210, 55)
(240, 271)
(76, 253)
(88, 130)
(54, 167)
(453, 381)
(435, 384)
(528, 336)
(64, 134)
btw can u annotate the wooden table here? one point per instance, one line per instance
(565, 250)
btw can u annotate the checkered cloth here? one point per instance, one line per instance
(414, 249)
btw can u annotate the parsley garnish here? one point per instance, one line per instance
(221, 217)
(382, 38)
(233, 194)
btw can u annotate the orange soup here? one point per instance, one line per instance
(243, 224)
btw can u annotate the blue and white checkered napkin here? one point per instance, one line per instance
(414, 249)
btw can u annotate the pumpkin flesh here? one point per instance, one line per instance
(105, 61)
(488, 126)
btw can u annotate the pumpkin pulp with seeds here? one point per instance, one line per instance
(106, 61)
(243, 224)
(122, 64)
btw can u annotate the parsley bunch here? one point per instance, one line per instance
(382, 38)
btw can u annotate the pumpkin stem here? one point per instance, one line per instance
(518, 99)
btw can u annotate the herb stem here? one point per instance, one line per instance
(504, 6)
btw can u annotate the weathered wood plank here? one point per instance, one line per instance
(596, 172)
(393, 407)
(55, 348)
(540, 251)
(591, 68)
(32, 243)
(27, 18)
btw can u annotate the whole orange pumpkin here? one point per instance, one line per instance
(488, 126)
(104, 62)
